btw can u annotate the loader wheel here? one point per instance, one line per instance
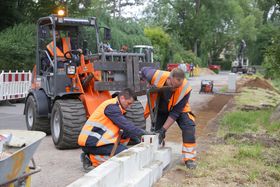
(33, 122)
(67, 119)
(135, 114)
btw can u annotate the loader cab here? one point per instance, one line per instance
(147, 50)
(53, 32)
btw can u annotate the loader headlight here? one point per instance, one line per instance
(70, 70)
(61, 12)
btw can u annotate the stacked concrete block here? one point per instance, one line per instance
(232, 82)
(141, 165)
(163, 154)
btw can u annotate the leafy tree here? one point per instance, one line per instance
(13, 11)
(272, 58)
(161, 42)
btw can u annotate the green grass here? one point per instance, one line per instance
(253, 175)
(276, 84)
(273, 128)
(248, 121)
(249, 152)
(224, 89)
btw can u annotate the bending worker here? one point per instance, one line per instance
(173, 106)
(101, 130)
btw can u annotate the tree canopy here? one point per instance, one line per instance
(203, 32)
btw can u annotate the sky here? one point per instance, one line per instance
(134, 11)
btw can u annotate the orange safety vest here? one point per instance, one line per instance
(66, 44)
(158, 80)
(100, 120)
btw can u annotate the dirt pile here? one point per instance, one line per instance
(259, 83)
(206, 71)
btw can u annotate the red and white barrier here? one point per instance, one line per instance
(14, 85)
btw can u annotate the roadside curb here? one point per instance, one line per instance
(140, 165)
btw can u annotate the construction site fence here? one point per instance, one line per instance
(14, 85)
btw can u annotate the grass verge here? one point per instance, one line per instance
(246, 153)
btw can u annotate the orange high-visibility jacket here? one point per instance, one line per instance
(158, 80)
(102, 130)
(66, 44)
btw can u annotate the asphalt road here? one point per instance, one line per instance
(61, 167)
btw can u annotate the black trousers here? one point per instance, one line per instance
(185, 123)
(103, 150)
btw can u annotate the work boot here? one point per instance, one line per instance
(190, 164)
(86, 162)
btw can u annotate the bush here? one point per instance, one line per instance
(189, 57)
(17, 47)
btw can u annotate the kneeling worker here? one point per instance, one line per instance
(101, 131)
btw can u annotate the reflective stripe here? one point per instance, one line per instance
(124, 141)
(51, 46)
(189, 156)
(158, 78)
(188, 149)
(101, 158)
(68, 43)
(182, 94)
(99, 125)
(105, 141)
(96, 160)
(90, 133)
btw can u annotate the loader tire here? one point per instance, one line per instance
(33, 122)
(135, 114)
(67, 119)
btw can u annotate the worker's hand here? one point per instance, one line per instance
(161, 135)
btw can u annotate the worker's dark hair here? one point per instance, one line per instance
(177, 73)
(128, 93)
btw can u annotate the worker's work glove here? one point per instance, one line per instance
(161, 135)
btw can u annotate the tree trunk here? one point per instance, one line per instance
(120, 6)
(114, 9)
(197, 7)
(195, 47)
